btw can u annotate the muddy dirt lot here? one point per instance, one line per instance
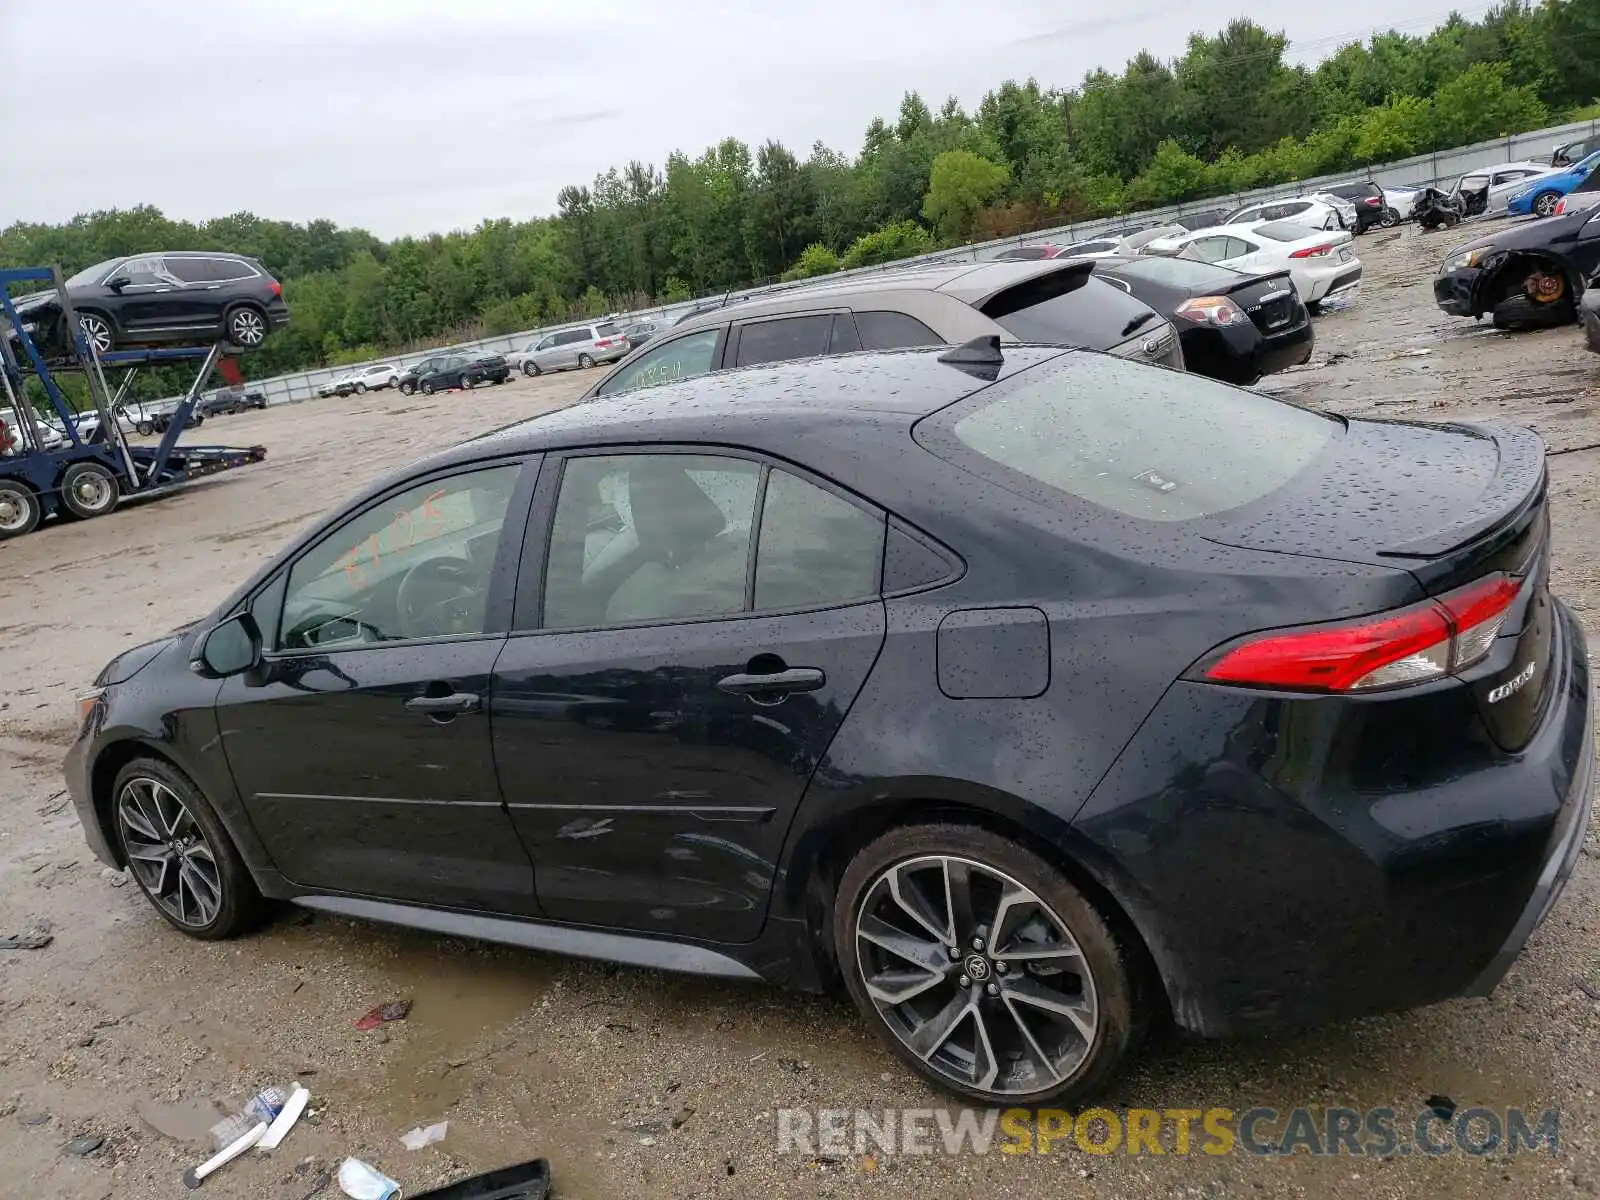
(636, 1083)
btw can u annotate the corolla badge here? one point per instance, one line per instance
(1515, 684)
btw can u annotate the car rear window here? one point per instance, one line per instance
(1178, 272)
(1024, 253)
(1096, 316)
(606, 330)
(1157, 445)
(1285, 231)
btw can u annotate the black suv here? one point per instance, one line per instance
(152, 299)
(1371, 206)
(226, 401)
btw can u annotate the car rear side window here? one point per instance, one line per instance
(815, 549)
(1157, 445)
(893, 331)
(784, 340)
(1095, 315)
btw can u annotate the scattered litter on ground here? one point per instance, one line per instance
(261, 1109)
(36, 1119)
(87, 1144)
(284, 1121)
(26, 941)
(1443, 1106)
(525, 1181)
(424, 1135)
(195, 1176)
(361, 1182)
(1414, 352)
(114, 877)
(1587, 988)
(394, 1010)
(681, 1117)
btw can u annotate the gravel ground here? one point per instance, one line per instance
(629, 1081)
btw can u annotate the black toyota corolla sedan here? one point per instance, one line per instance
(1031, 693)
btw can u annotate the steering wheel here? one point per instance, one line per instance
(438, 596)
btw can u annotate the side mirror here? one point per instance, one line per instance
(230, 648)
(117, 284)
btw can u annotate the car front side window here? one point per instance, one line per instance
(416, 565)
(682, 358)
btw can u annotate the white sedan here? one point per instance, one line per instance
(1320, 261)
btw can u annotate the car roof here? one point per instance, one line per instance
(761, 406)
(971, 283)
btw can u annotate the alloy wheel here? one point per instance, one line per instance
(1546, 204)
(169, 853)
(96, 331)
(247, 327)
(976, 975)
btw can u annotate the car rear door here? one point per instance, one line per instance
(667, 693)
(360, 745)
(789, 337)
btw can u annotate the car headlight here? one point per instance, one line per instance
(1467, 258)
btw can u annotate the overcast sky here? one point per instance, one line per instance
(414, 116)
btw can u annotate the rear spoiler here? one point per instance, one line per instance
(1508, 502)
(1036, 289)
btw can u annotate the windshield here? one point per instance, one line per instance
(1179, 272)
(1157, 445)
(91, 274)
(1096, 316)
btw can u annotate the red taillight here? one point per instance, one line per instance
(1561, 208)
(1425, 641)
(1372, 202)
(1312, 252)
(275, 287)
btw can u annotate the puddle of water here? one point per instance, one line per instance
(185, 1121)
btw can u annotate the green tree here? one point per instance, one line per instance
(1480, 104)
(901, 240)
(815, 259)
(960, 184)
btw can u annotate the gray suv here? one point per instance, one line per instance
(1053, 302)
(584, 346)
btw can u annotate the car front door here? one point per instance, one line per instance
(147, 295)
(667, 693)
(668, 361)
(544, 354)
(360, 744)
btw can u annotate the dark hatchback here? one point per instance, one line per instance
(158, 299)
(1526, 273)
(1233, 326)
(1033, 696)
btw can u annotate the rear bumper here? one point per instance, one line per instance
(1293, 860)
(1243, 355)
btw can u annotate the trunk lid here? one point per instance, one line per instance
(1449, 504)
(1269, 301)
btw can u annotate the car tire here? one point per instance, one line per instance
(407, 389)
(585, 361)
(531, 369)
(179, 853)
(144, 428)
(1544, 204)
(1057, 1026)
(426, 387)
(1389, 218)
(1314, 307)
(88, 490)
(361, 389)
(246, 327)
(99, 330)
(467, 383)
(19, 509)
